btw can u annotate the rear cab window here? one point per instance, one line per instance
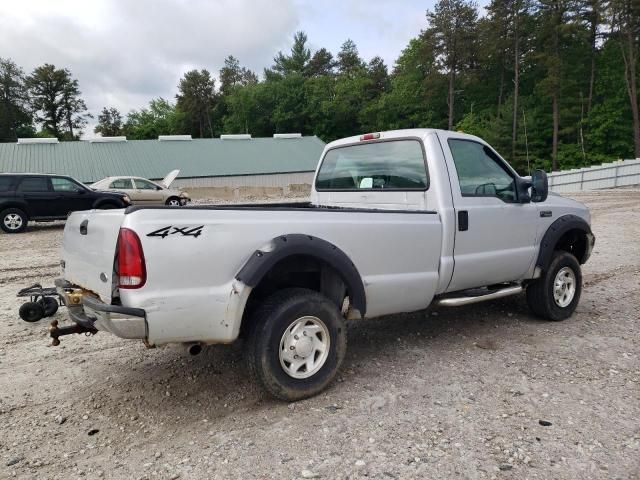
(377, 166)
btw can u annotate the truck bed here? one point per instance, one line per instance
(194, 253)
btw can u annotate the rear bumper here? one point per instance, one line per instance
(91, 312)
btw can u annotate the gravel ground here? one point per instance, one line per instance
(458, 393)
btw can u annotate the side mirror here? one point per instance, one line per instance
(81, 190)
(539, 186)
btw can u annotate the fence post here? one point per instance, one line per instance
(615, 178)
(581, 179)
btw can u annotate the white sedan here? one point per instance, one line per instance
(145, 192)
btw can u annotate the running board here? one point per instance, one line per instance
(459, 301)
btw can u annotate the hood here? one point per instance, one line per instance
(168, 180)
(567, 205)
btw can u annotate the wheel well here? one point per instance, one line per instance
(17, 206)
(302, 271)
(569, 233)
(575, 242)
(105, 203)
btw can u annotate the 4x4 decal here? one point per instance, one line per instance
(171, 230)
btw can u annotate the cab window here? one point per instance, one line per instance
(145, 185)
(388, 165)
(481, 173)
(124, 183)
(5, 183)
(34, 184)
(64, 185)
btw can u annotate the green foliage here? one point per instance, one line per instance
(196, 101)
(160, 118)
(55, 99)
(109, 123)
(15, 115)
(546, 82)
(297, 61)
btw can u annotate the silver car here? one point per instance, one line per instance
(142, 191)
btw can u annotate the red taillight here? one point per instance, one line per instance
(132, 272)
(369, 136)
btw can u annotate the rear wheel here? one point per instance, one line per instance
(296, 344)
(13, 220)
(556, 294)
(173, 202)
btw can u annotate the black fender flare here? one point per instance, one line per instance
(298, 244)
(555, 231)
(16, 203)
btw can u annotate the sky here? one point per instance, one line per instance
(126, 52)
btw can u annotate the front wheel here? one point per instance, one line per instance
(296, 344)
(556, 294)
(173, 202)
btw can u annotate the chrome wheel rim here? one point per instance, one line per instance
(304, 347)
(12, 221)
(564, 287)
(174, 203)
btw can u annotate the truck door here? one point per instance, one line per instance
(495, 234)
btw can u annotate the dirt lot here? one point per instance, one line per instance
(454, 393)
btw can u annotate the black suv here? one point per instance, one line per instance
(32, 196)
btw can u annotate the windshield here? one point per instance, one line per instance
(392, 165)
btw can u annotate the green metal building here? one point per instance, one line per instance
(230, 161)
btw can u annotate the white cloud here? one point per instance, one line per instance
(125, 52)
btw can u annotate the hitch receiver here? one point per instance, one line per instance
(57, 332)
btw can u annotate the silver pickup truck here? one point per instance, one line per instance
(397, 221)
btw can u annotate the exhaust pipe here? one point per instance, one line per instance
(194, 348)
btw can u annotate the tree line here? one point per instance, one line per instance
(549, 83)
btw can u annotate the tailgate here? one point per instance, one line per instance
(88, 249)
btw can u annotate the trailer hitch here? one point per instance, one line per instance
(57, 332)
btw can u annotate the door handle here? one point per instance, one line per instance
(463, 220)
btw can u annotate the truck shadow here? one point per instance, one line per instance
(175, 387)
(35, 227)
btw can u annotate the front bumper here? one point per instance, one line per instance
(591, 241)
(92, 313)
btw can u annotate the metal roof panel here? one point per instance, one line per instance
(90, 162)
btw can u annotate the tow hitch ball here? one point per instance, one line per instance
(57, 332)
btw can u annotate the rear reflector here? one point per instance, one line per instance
(369, 136)
(132, 272)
